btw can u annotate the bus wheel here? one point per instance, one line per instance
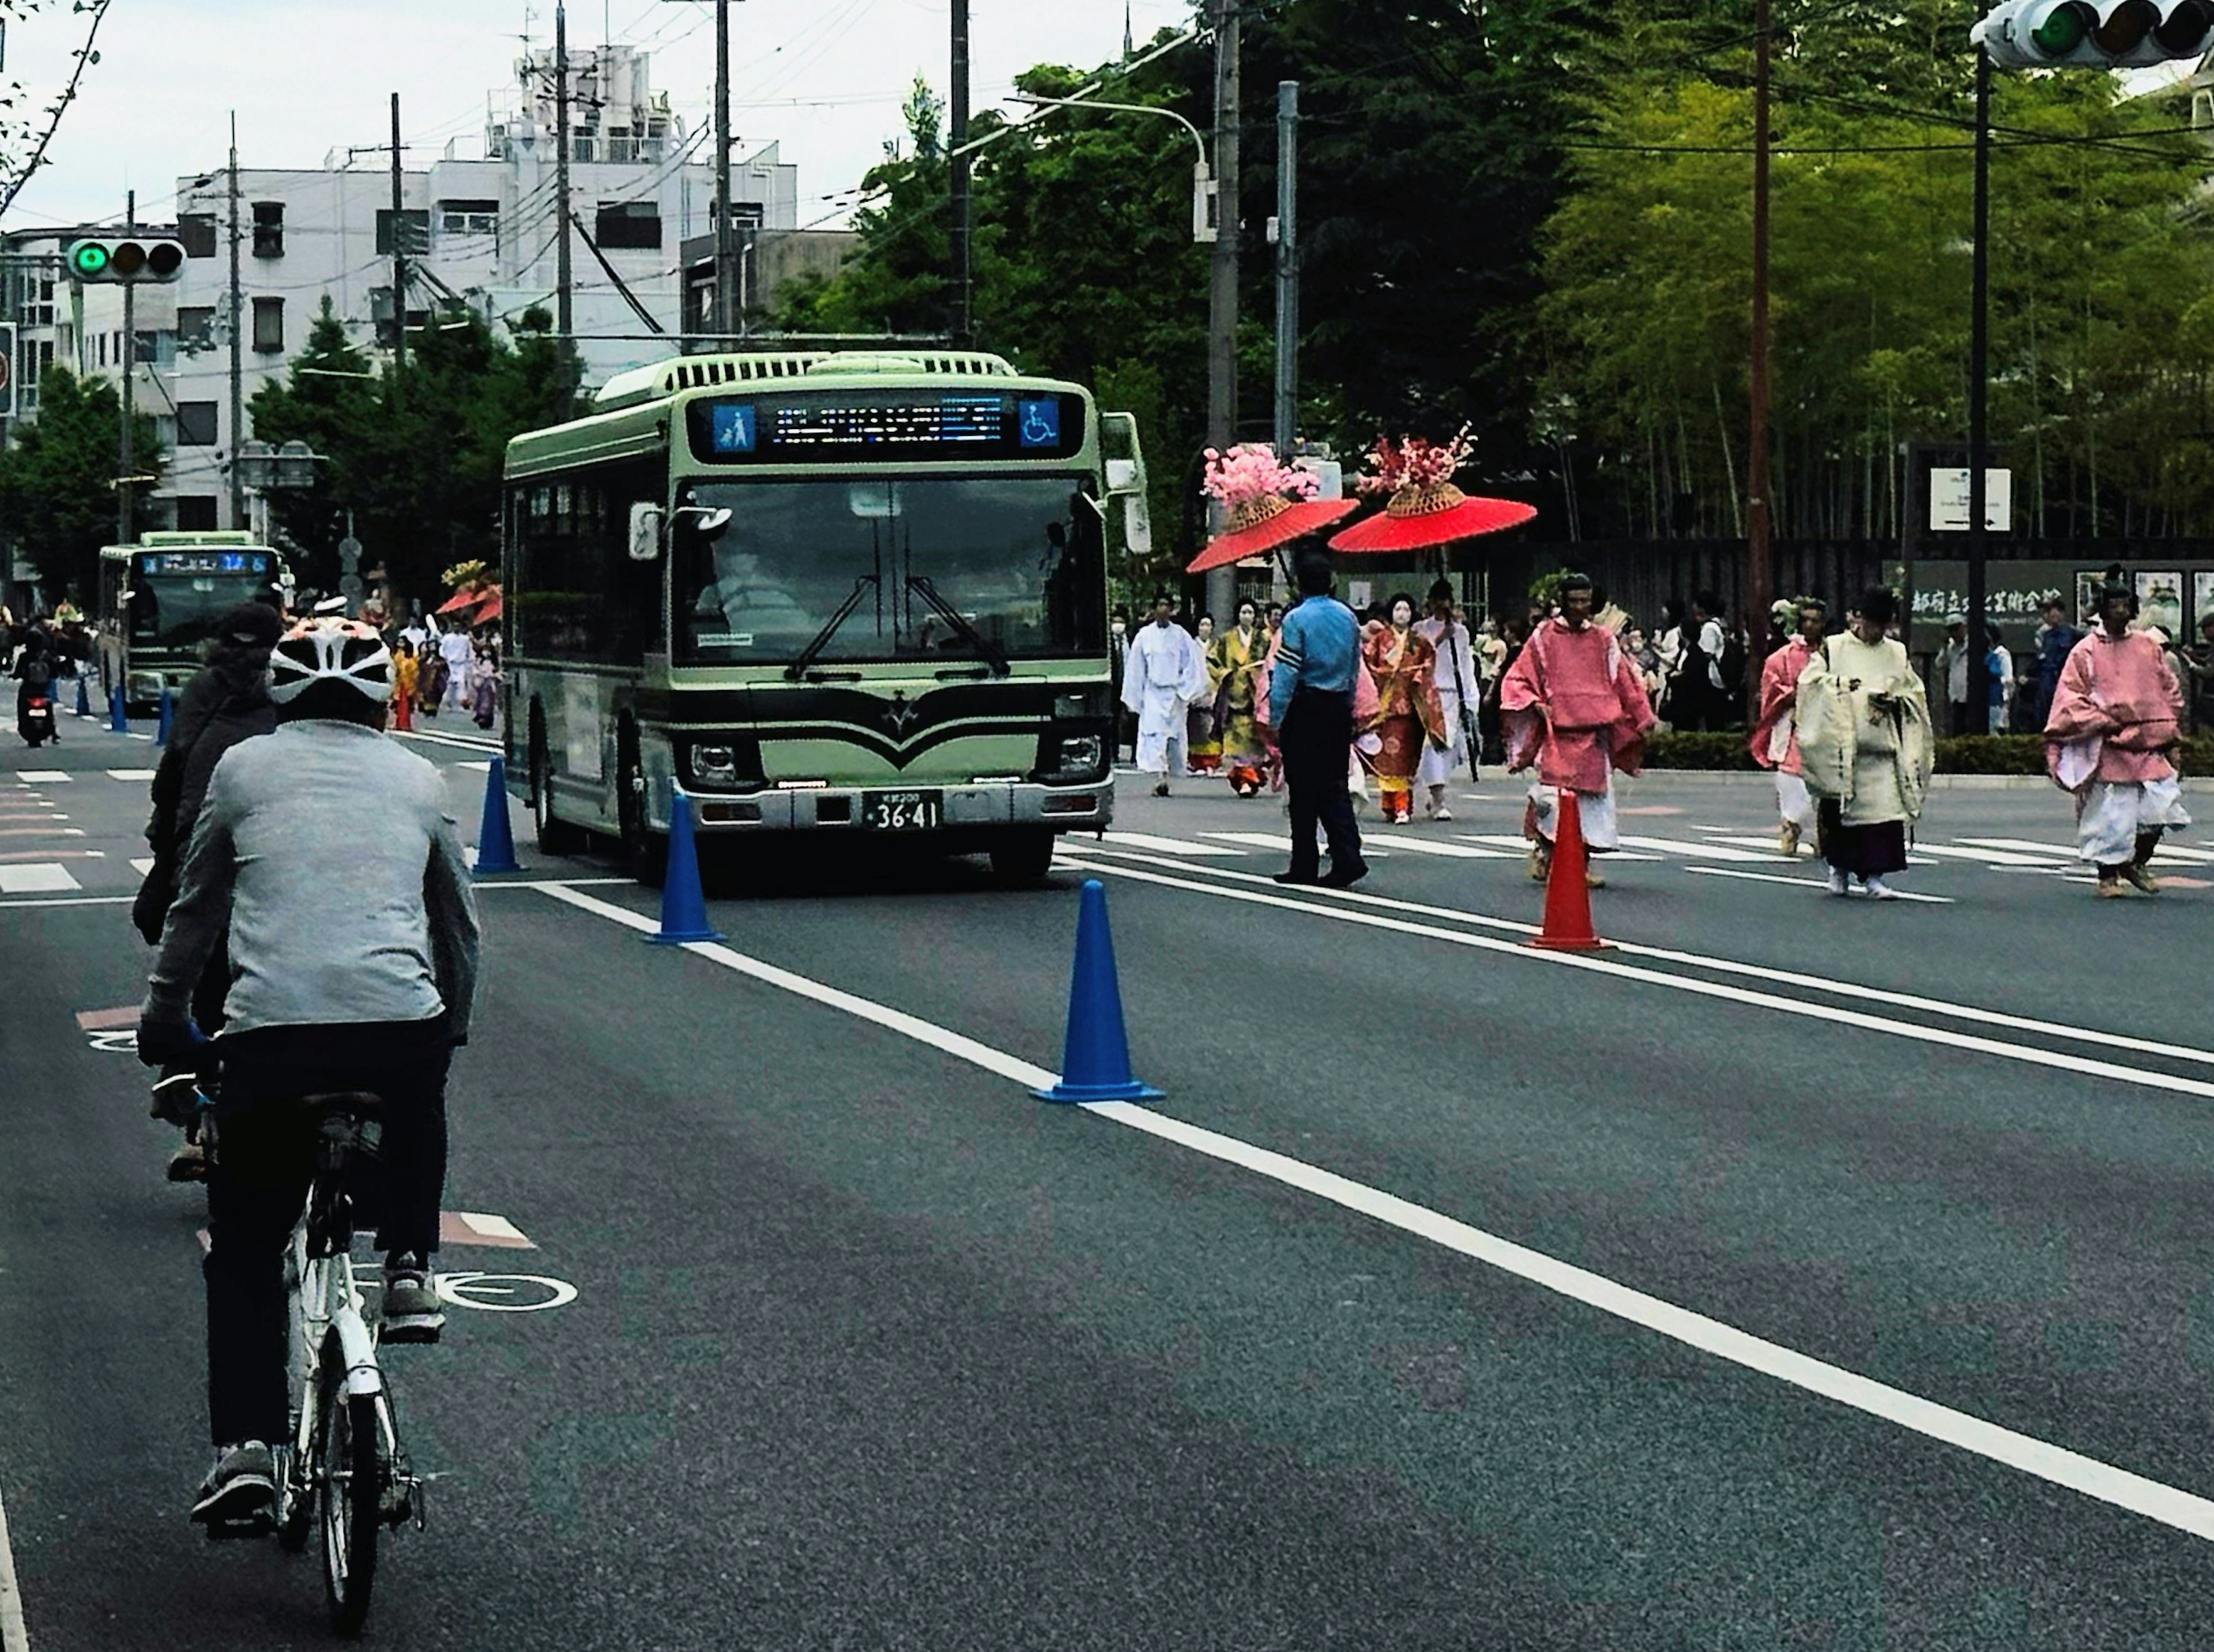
(555, 837)
(646, 850)
(1024, 857)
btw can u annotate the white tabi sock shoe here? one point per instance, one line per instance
(1878, 889)
(1839, 885)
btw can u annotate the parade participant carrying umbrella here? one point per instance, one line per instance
(1424, 509)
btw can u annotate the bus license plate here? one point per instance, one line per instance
(902, 811)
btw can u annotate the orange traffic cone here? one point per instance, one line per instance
(1567, 926)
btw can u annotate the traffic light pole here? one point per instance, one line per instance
(1980, 284)
(1760, 576)
(127, 491)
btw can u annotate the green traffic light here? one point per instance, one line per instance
(90, 259)
(2060, 33)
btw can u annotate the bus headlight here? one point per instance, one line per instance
(716, 764)
(1081, 756)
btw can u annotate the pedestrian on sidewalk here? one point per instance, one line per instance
(1412, 721)
(2110, 739)
(1776, 735)
(1575, 706)
(1953, 667)
(1165, 674)
(1311, 695)
(2056, 641)
(1865, 747)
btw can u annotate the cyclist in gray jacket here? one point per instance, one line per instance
(325, 851)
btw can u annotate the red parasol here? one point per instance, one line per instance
(467, 596)
(1419, 518)
(491, 608)
(1261, 525)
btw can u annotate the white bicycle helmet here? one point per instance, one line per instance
(331, 650)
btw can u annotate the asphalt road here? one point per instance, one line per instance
(1802, 1273)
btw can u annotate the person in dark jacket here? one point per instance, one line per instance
(227, 701)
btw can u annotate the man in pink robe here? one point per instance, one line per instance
(2109, 738)
(1573, 703)
(1775, 739)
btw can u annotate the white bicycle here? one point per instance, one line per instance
(344, 1472)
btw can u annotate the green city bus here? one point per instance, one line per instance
(817, 593)
(161, 599)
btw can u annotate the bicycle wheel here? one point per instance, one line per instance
(350, 1489)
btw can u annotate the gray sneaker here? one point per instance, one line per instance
(412, 1311)
(240, 1493)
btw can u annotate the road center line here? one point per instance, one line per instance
(1732, 966)
(2170, 1506)
(1745, 995)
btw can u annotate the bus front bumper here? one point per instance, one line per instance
(979, 809)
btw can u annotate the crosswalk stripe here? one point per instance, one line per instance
(41, 878)
(41, 831)
(1988, 857)
(1168, 845)
(1448, 851)
(1699, 851)
(44, 776)
(1282, 841)
(1808, 883)
(144, 866)
(2066, 851)
(130, 774)
(1520, 846)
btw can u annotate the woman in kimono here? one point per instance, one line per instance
(1404, 668)
(1234, 666)
(1202, 733)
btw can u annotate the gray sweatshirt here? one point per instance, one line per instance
(324, 850)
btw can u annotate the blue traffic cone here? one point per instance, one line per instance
(1095, 1063)
(495, 837)
(84, 699)
(166, 718)
(683, 906)
(118, 721)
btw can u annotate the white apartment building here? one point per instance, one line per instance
(481, 230)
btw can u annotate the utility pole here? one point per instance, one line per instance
(1287, 268)
(237, 346)
(399, 257)
(126, 494)
(1760, 573)
(1979, 458)
(726, 241)
(957, 142)
(1222, 298)
(562, 318)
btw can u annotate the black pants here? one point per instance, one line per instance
(265, 1159)
(1317, 743)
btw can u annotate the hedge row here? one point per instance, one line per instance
(1971, 753)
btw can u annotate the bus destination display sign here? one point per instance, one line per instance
(205, 562)
(815, 427)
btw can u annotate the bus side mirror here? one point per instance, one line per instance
(645, 532)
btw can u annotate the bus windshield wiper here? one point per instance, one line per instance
(922, 585)
(808, 655)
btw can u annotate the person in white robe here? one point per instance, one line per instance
(1457, 693)
(1165, 672)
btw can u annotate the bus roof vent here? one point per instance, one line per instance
(665, 378)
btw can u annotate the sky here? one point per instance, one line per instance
(825, 77)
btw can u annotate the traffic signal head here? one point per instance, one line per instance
(125, 258)
(2096, 33)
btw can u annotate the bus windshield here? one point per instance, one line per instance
(1019, 558)
(181, 610)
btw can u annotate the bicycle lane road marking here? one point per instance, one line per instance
(2155, 1501)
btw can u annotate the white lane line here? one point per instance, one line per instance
(1807, 882)
(1805, 852)
(477, 768)
(15, 1636)
(1519, 846)
(130, 774)
(82, 900)
(2165, 1504)
(462, 740)
(1410, 845)
(144, 866)
(1986, 857)
(1281, 841)
(1169, 845)
(1950, 1039)
(1821, 984)
(137, 736)
(38, 877)
(45, 776)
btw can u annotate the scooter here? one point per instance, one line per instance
(34, 719)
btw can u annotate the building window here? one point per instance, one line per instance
(269, 324)
(269, 229)
(195, 326)
(468, 217)
(414, 231)
(196, 424)
(581, 149)
(628, 224)
(196, 511)
(197, 231)
(101, 350)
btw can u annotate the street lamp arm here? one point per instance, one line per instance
(1123, 70)
(1198, 143)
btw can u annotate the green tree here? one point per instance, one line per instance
(57, 478)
